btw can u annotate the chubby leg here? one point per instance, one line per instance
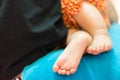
(69, 60)
(90, 20)
(112, 13)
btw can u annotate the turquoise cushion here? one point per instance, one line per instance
(105, 66)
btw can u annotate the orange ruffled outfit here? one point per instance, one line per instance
(71, 7)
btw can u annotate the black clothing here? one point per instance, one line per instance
(29, 29)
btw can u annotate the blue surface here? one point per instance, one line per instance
(105, 66)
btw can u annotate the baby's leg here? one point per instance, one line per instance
(69, 60)
(90, 19)
(112, 13)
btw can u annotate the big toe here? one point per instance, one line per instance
(55, 68)
(73, 71)
(108, 47)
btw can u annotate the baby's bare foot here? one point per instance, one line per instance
(100, 44)
(66, 63)
(69, 60)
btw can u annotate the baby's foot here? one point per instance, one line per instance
(100, 44)
(68, 61)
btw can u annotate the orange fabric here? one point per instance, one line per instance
(71, 7)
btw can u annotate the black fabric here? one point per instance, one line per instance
(28, 30)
